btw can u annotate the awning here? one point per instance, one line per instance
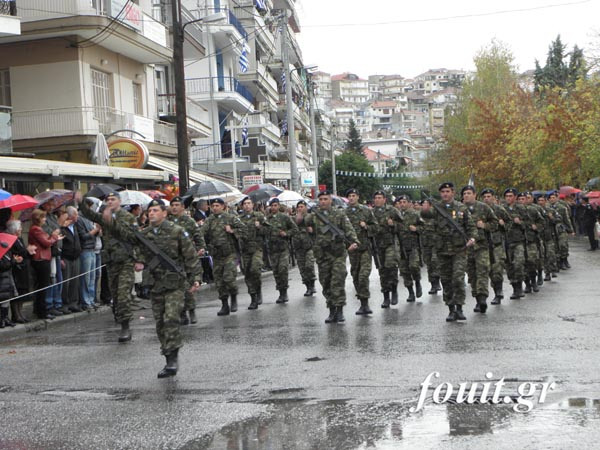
(173, 169)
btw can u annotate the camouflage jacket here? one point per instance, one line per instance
(563, 217)
(385, 234)
(356, 215)
(515, 232)
(427, 230)
(448, 240)
(219, 242)
(302, 240)
(280, 222)
(409, 239)
(501, 214)
(191, 227)
(550, 221)
(532, 217)
(253, 235)
(326, 242)
(480, 211)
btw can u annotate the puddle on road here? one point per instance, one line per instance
(89, 395)
(349, 425)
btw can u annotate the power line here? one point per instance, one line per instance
(445, 18)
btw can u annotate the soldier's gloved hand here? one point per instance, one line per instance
(138, 266)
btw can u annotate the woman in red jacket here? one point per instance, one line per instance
(40, 261)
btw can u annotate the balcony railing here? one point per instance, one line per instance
(167, 107)
(77, 121)
(237, 24)
(5, 129)
(8, 7)
(199, 86)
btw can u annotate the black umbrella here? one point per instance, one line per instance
(260, 195)
(207, 188)
(102, 190)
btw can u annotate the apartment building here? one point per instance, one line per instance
(10, 25)
(350, 88)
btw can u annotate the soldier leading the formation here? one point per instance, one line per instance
(252, 250)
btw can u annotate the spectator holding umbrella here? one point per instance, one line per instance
(21, 270)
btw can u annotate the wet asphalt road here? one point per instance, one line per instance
(281, 378)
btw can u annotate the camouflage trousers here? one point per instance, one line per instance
(478, 269)
(563, 245)
(120, 281)
(189, 301)
(280, 263)
(360, 269)
(533, 259)
(225, 273)
(306, 264)
(410, 267)
(388, 272)
(550, 261)
(431, 261)
(516, 269)
(167, 307)
(497, 269)
(332, 276)
(253, 263)
(452, 272)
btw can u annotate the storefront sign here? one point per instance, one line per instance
(128, 153)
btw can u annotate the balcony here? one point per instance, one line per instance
(262, 85)
(247, 15)
(88, 120)
(198, 119)
(225, 28)
(10, 24)
(137, 35)
(259, 123)
(5, 130)
(227, 91)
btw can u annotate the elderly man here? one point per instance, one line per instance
(70, 261)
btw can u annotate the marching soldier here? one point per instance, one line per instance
(541, 242)
(303, 248)
(179, 217)
(363, 221)
(479, 255)
(221, 232)
(564, 228)
(119, 257)
(429, 256)
(497, 238)
(408, 238)
(515, 236)
(252, 250)
(532, 222)
(455, 232)
(281, 228)
(387, 217)
(549, 238)
(333, 232)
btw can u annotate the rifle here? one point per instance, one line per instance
(445, 215)
(238, 250)
(420, 250)
(330, 226)
(159, 259)
(488, 238)
(266, 254)
(292, 251)
(507, 247)
(402, 250)
(374, 251)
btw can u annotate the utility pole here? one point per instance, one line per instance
(313, 128)
(183, 158)
(234, 131)
(333, 144)
(285, 49)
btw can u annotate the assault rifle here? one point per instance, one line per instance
(374, 251)
(334, 229)
(446, 216)
(159, 258)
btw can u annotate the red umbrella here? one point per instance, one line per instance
(568, 190)
(18, 202)
(593, 194)
(6, 242)
(155, 194)
(268, 187)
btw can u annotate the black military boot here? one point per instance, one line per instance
(498, 294)
(332, 315)
(394, 293)
(224, 311)
(527, 286)
(452, 315)
(547, 277)
(253, 301)
(540, 278)
(170, 369)
(411, 294)
(339, 314)
(567, 265)
(283, 297)
(477, 306)
(386, 299)
(432, 289)
(533, 282)
(259, 296)
(481, 302)
(233, 307)
(563, 264)
(308, 292)
(418, 288)
(361, 310)
(184, 319)
(459, 313)
(193, 316)
(125, 334)
(312, 287)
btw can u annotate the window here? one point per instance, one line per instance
(5, 88)
(101, 90)
(138, 105)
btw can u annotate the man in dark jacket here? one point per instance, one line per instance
(87, 232)
(588, 222)
(70, 261)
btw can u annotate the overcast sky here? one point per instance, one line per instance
(410, 42)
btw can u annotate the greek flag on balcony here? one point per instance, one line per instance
(260, 4)
(245, 132)
(283, 85)
(284, 127)
(244, 63)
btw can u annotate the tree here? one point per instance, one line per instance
(350, 162)
(557, 73)
(354, 142)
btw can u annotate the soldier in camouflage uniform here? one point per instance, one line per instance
(387, 217)
(540, 233)
(220, 232)
(564, 228)
(429, 256)
(363, 221)
(119, 257)
(408, 239)
(252, 250)
(532, 222)
(478, 259)
(179, 217)
(515, 268)
(549, 237)
(281, 229)
(303, 248)
(330, 253)
(451, 247)
(497, 238)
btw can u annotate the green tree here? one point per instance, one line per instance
(354, 142)
(350, 162)
(558, 73)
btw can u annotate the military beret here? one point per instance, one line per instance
(379, 193)
(351, 191)
(301, 202)
(402, 197)
(554, 192)
(274, 200)
(177, 199)
(112, 194)
(487, 191)
(156, 202)
(446, 185)
(526, 193)
(510, 191)
(468, 187)
(325, 192)
(244, 199)
(217, 200)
